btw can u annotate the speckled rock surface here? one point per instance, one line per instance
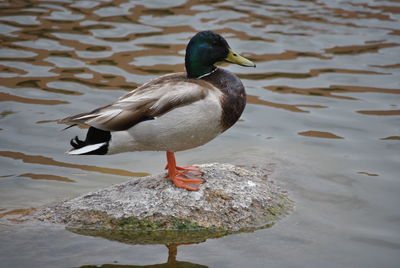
(232, 198)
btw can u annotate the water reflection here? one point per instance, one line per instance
(37, 159)
(328, 92)
(171, 239)
(382, 112)
(319, 134)
(171, 262)
(45, 177)
(368, 48)
(16, 215)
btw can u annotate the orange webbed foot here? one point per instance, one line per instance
(190, 169)
(188, 184)
(187, 171)
(183, 177)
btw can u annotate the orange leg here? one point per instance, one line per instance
(179, 175)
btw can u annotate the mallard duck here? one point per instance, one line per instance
(172, 113)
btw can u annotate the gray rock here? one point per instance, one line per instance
(232, 199)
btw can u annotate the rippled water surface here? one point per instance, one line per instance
(323, 108)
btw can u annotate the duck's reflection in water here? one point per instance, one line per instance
(171, 262)
(170, 238)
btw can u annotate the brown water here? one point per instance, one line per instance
(324, 107)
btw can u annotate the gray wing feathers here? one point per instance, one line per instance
(146, 102)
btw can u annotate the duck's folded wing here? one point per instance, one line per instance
(146, 102)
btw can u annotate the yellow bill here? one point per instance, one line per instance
(234, 57)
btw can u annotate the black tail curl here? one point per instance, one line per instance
(93, 136)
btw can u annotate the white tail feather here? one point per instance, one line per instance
(86, 149)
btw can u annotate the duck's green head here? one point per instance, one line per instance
(207, 48)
